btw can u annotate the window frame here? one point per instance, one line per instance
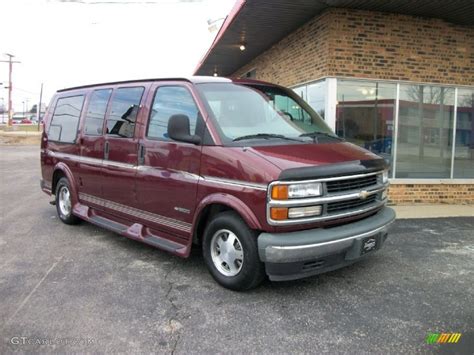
(200, 116)
(109, 108)
(89, 99)
(79, 118)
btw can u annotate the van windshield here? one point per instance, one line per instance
(260, 112)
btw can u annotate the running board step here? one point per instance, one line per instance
(135, 231)
(108, 224)
(162, 243)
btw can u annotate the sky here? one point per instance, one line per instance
(73, 42)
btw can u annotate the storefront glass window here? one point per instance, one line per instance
(301, 91)
(365, 114)
(314, 94)
(425, 126)
(464, 150)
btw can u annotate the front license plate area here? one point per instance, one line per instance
(368, 244)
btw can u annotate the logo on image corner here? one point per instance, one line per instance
(443, 338)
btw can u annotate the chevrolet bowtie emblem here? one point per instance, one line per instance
(363, 195)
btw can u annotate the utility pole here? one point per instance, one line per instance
(3, 104)
(3, 107)
(10, 69)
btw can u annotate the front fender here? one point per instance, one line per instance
(231, 201)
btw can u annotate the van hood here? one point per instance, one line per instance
(319, 160)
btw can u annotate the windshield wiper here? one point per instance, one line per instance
(315, 134)
(265, 136)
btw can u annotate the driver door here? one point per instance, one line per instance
(168, 171)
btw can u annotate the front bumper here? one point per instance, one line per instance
(295, 255)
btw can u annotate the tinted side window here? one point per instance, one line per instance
(63, 127)
(96, 112)
(123, 114)
(169, 101)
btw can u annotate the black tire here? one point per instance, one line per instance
(64, 214)
(252, 270)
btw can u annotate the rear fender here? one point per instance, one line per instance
(72, 182)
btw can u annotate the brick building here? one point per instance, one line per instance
(396, 77)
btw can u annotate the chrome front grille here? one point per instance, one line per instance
(340, 206)
(343, 196)
(351, 184)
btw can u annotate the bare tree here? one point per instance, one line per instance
(429, 94)
(466, 100)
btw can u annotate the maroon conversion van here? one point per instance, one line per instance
(244, 168)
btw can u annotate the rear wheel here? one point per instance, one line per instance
(231, 254)
(64, 202)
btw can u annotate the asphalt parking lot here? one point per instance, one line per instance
(84, 289)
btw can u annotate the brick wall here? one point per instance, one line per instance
(375, 45)
(363, 44)
(431, 193)
(299, 57)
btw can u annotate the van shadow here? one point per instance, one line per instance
(194, 266)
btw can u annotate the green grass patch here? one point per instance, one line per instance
(21, 128)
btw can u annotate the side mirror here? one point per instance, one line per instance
(178, 130)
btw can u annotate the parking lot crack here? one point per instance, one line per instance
(173, 326)
(170, 288)
(175, 344)
(27, 298)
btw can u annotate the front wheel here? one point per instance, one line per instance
(231, 254)
(64, 202)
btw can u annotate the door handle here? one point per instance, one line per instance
(141, 154)
(106, 151)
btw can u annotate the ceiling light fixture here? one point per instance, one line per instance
(242, 47)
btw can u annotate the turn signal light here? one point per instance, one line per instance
(280, 192)
(279, 213)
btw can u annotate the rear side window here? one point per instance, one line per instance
(65, 120)
(169, 101)
(96, 112)
(123, 114)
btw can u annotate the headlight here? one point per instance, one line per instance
(283, 192)
(385, 176)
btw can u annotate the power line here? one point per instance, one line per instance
(125, 2)
(27, 91)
